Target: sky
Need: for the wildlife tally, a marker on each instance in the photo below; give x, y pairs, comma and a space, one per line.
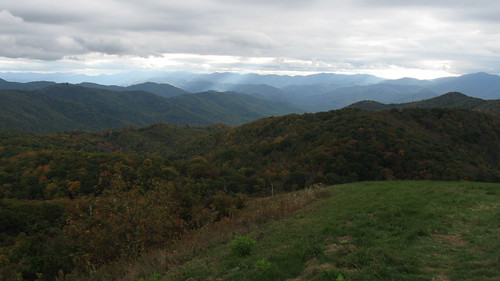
388, 38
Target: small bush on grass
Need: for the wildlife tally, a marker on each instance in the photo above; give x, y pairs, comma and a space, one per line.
262, 265
242, 246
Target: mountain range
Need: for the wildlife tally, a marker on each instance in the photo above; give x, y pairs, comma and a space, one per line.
66, 107
322, 92
233, 99
311, 93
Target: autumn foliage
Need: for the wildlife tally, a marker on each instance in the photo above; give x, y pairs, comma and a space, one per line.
100, 197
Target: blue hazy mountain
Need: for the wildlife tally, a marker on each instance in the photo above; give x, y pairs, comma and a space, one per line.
311, 93
448, 100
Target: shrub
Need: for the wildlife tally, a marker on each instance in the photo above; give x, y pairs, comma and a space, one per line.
242, 245
262, 265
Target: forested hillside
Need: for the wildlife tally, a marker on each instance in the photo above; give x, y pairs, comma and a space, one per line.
65, 107
162, 90
346, 145
100, 196
291, 151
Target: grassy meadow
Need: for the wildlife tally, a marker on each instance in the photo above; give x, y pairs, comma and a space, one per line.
392, 230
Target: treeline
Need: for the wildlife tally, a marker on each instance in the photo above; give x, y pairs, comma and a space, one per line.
103, 196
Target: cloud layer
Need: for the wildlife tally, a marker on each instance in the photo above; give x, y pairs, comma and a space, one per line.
385, 37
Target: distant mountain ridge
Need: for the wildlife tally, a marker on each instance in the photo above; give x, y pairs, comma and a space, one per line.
280, 81
24, 86
478, 85
310, 93
481, 85
65, 107
449, 100
162, 90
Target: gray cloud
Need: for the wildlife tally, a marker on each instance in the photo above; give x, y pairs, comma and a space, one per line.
453, 36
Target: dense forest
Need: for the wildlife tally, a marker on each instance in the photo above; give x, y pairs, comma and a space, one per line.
76, 201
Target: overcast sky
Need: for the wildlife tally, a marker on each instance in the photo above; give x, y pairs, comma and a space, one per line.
387, 38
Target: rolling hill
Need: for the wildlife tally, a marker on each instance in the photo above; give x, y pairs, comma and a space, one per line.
28, 86
65, 107
162, 90
70, 200
338, 146
449, 100
233, 108
398, 230
292, 151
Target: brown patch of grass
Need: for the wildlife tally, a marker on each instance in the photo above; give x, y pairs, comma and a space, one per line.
312, 267
442, 277
345, 239
343, 244
438, 273
454, 240
332, 248
318, 267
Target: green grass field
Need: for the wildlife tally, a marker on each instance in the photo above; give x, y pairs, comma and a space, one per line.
395, 230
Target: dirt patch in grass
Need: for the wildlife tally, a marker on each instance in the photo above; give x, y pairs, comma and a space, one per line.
316, 268
332, 248
438, 274
443, 277
343, 244
454, 240
345, 239
312, 268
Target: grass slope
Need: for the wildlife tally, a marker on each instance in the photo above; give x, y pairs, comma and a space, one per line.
396, 230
